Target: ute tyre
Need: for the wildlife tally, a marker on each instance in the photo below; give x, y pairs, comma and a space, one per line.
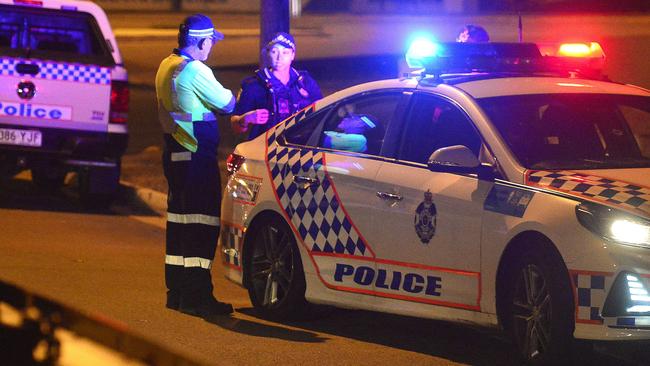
540, 310
277, 280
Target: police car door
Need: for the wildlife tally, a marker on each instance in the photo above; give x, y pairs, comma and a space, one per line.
430, 222
333, 187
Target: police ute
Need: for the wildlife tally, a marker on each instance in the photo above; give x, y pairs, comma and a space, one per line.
63, 95
502, 184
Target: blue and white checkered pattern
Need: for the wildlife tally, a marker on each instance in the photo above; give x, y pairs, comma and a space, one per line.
625, 195
231, 240
52, 70
315, 212
590, 295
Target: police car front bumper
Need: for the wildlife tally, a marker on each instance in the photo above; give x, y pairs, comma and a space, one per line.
614, 305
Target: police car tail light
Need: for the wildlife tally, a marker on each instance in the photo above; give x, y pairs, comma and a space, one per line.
119, 102
614, 225
234, 162
629, 295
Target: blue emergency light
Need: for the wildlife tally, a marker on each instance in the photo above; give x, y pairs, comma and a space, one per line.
442, 58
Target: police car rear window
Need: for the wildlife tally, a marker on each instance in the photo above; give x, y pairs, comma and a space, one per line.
50, 34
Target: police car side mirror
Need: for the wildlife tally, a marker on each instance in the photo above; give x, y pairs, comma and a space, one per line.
454, 159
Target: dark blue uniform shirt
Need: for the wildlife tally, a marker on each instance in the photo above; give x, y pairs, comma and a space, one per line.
281, 102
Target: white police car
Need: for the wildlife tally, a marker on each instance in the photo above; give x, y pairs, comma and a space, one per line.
500, 187
63, 95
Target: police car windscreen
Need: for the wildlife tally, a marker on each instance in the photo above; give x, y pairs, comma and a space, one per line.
58, 35
574, 131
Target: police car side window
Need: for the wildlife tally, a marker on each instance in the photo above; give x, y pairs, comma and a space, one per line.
359, 124
307, 132
433, 123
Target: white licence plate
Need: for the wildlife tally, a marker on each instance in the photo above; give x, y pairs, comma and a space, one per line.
10, 136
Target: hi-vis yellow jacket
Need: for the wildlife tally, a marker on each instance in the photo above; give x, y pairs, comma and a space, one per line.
187, 92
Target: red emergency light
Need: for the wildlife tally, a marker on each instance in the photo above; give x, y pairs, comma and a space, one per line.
587, 59
29, 2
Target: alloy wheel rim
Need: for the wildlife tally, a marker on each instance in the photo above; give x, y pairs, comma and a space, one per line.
272, 266
532, 312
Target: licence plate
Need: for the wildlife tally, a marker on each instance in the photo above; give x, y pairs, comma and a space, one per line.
10, 136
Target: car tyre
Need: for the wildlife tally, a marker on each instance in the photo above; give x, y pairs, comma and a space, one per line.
277, 280
540, 310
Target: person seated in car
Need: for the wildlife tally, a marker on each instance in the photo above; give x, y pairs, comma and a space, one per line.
349, 133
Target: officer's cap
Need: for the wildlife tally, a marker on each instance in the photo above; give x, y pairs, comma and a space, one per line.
284, 39
199, 25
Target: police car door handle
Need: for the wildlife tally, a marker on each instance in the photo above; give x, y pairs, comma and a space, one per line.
389, 196
304, 182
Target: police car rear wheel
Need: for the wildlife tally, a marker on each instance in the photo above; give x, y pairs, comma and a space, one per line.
540, 310
277, 280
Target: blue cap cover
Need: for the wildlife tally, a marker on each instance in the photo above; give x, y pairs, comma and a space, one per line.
284, 39
199, 25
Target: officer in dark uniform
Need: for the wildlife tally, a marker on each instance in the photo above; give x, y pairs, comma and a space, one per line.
188, 94
274, 92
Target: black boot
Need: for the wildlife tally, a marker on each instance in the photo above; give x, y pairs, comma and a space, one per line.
206, 308
173, 300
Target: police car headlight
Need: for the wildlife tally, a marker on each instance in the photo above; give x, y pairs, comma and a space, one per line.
631, 232
614, 225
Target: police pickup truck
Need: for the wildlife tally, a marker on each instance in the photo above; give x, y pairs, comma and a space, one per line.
63, 95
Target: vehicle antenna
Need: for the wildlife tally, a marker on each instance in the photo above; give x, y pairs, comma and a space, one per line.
521, 30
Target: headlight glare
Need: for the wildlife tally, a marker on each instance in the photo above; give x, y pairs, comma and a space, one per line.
614, 225
627, 231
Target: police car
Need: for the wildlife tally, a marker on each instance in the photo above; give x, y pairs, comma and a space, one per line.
506, 185
63, 95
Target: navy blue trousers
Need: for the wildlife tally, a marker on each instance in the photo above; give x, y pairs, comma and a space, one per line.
193, 216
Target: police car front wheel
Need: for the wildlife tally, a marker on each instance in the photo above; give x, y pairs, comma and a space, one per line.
277, 281
540, 310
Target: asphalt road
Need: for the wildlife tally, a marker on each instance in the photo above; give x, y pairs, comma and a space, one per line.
110, 264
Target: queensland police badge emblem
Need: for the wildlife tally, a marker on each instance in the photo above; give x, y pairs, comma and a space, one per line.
425, 218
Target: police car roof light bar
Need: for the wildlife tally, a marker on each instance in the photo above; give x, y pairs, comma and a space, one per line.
446, 58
